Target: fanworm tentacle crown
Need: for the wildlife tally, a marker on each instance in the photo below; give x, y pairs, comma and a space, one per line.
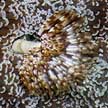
64, 56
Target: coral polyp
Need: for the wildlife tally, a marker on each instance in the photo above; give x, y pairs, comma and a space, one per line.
65, 55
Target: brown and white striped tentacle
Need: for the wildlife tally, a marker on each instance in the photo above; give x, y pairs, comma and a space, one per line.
64, 56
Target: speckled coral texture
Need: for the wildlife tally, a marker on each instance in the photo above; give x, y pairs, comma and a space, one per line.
18, 17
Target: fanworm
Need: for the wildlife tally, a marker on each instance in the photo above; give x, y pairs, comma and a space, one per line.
63, 54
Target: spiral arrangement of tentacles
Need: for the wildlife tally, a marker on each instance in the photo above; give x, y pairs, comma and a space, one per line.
63, 55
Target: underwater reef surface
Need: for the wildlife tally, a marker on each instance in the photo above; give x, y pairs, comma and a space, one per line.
19, 17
